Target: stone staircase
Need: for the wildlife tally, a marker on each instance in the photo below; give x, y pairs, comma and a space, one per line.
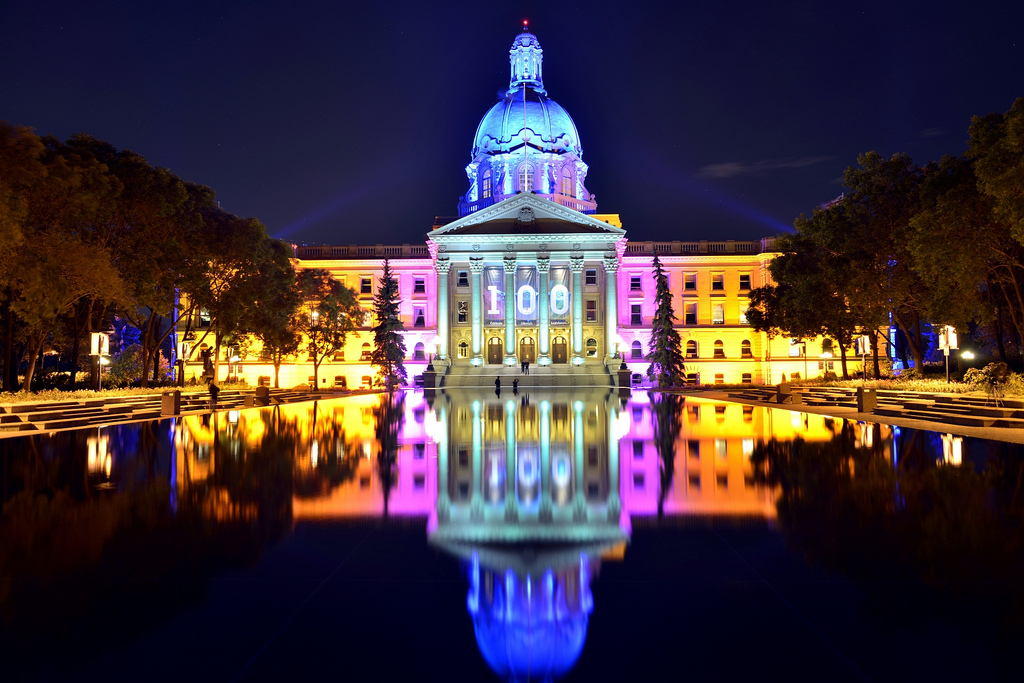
587, 375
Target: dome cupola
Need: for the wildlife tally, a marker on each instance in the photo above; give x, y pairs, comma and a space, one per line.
527, 142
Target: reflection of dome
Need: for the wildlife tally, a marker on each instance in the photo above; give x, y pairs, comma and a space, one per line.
549, 126
527, 627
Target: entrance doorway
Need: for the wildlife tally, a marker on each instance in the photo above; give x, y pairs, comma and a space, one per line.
527, 350
559, 350
494, 352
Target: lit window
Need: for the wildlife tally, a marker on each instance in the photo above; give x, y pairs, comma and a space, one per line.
745, 349
463, 309
526, 178
592, 347
420, 352
419, 286
719, 378
718, 314
365, 285
795, 347
462, 279
365, 355
690, 314
719, 349
746, 378
744, 281
635, 317
690, 282
485, 185
721, 446
591, 311
567, 183
717, 282
463, 350
743, 315
634, 284
591, 277
419, 320
691, 349
636, 351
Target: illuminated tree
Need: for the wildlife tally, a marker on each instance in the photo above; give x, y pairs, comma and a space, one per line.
273, 318
329, 312
666, 356
388, 353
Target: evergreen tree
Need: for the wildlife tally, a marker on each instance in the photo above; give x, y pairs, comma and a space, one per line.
666, 356
388, 341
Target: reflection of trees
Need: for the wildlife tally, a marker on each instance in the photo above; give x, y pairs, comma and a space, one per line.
336, 458
389, 415
914, 532
667, 409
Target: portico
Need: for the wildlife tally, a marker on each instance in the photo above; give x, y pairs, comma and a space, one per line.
527, 280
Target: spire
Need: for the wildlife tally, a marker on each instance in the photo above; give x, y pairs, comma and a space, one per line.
526, 59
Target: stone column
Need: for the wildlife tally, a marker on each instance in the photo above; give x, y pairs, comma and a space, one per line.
545, 461
476, 265
442, 265
614, 500
476, 503
544, 298
611, 305
579, 508
576, 265
511, 504
443, 500
510, 310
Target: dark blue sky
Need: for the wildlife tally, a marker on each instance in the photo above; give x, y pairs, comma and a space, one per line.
348, 122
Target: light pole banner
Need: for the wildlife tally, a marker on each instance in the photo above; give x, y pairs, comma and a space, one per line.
559, 303
494, 295
527, 293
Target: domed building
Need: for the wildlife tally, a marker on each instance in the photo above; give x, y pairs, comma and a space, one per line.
526, 142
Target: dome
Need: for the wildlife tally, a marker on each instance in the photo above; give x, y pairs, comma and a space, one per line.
549, 127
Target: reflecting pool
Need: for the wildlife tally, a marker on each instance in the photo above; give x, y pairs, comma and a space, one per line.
513, 536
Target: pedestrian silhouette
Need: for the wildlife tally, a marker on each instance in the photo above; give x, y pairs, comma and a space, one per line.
515, 387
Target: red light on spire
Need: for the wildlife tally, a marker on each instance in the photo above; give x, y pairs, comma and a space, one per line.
525, 23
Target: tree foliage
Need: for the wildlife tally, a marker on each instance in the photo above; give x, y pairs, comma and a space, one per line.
388, 353
666, 354
329, 312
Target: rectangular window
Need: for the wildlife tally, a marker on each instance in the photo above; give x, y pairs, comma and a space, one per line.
462, 279
463, 308
418, 319
638, 450
591, 311
634, 283
693, 446
795, 348
717, 282
365, 285
743, 314
690, 314
694, 482
744, 282
591, 277
719, 378
638, 481
746, 379
419, 286
635, 318
419, 451
204, 318
718, 314
690, 282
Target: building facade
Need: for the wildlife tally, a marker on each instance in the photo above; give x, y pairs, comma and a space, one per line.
530, 272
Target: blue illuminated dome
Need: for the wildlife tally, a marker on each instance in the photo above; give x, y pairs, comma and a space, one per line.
527, 147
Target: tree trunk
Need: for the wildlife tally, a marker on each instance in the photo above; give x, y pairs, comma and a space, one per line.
6, 381
874, 354
998, 325
30, 370
842, 355
277, 373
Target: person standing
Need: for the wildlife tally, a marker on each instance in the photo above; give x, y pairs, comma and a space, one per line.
497, 386
526, 365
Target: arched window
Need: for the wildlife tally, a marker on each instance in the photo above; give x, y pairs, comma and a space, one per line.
485, 184
745, 349
419, 352
592, 347
719, 349
463, 350
826, 347
637, 351
365, 355
567, 188
691, 348
526, 177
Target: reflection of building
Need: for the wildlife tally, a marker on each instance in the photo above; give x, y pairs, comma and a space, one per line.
528, 271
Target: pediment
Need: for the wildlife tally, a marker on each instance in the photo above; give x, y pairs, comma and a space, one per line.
527, 214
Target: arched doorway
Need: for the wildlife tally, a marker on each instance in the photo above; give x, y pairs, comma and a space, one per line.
494, 351
559, 350
527, 350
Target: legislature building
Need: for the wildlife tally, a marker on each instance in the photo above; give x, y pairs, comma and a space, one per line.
530, 271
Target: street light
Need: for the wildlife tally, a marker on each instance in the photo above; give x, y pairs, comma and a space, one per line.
967, 355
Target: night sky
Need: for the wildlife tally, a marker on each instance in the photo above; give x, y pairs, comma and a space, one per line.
342, 122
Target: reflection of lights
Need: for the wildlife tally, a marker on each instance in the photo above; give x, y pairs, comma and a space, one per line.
952, 449
794, 419
622, 425
99, 459
560, 470
527, 469
867, 436
314, 453
748, 448
367, 448
233, 417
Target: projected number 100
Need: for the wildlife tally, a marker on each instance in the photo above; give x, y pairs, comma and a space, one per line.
526, 300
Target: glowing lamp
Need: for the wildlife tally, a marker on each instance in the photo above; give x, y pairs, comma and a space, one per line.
967, 355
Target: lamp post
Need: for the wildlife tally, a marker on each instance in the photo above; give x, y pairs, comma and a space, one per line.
947, 341
825, 355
